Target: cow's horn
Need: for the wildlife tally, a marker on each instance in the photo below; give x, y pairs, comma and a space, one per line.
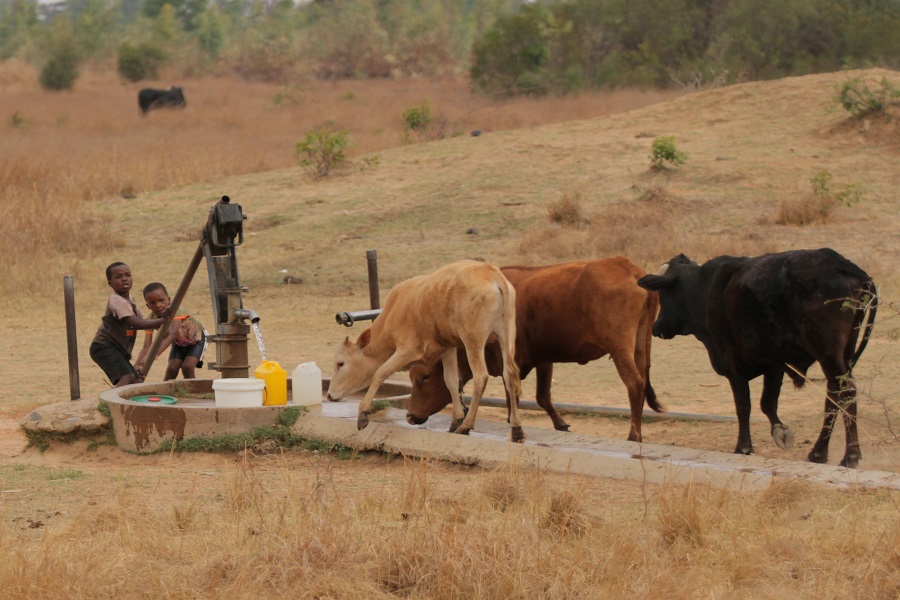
664, 268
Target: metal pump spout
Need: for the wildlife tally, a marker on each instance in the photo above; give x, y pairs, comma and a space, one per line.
243, 313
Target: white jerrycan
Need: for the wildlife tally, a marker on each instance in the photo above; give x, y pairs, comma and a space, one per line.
306, 385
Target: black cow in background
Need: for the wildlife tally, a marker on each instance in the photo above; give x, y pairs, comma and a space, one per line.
771, 315
151, 99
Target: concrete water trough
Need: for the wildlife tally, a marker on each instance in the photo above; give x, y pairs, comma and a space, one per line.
144, 427
140, 427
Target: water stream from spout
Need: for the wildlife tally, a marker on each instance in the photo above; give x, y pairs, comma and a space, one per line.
259, 340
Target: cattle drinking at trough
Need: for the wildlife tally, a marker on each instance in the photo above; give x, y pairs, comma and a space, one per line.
771, 315
151, 99
572, 312
425, 319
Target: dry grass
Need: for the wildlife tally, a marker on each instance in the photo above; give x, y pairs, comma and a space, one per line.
63, 151
291, 536
623, 227
567, 211
805, 210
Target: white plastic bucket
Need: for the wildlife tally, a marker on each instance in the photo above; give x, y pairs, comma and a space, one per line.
306, 385
238, 392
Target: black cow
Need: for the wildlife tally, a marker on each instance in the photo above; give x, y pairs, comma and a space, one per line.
771, 315
151, 99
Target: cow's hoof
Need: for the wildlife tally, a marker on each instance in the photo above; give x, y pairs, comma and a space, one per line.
454, 425
517, 435
362, 421
817, 457
462, 430
563, 427
783, 436
746, 451
851, 461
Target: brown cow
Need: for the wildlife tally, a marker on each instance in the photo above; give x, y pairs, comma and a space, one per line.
427, 318
571, 312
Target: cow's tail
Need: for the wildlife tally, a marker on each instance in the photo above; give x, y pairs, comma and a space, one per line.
651, 307
509, 316
871, 307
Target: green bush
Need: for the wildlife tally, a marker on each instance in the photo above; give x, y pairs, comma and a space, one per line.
511, 57
322, 150
818, 206
848, 195
417, 119
61, 70
664, 151
857, 98
140, 62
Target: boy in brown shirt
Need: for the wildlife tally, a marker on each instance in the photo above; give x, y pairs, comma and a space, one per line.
112, 345
186, 336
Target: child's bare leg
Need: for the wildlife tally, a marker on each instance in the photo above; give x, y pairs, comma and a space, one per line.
172, 369
188, 366
126, 380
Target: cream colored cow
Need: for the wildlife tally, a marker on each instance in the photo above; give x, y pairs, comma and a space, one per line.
461, 305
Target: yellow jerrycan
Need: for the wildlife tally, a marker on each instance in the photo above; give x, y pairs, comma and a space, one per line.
275, 378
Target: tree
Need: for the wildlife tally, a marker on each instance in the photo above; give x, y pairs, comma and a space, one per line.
511, 56
61, 67
18, 23
95, 28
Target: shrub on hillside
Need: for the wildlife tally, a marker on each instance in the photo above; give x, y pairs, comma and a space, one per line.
664, 151
62, 53
322, 150
417, 119
818, 205
857, 98
140, 62
61, 70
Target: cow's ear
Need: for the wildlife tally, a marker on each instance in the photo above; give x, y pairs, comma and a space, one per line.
364, 338
655, 282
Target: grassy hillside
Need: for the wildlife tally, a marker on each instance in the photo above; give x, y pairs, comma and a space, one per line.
751, 147
267, 525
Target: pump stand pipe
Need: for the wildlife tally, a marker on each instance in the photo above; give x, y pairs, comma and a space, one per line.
247, 315
180, 293
349, 318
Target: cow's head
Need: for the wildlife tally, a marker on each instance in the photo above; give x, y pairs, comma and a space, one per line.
429, 393
674, 285
353, 368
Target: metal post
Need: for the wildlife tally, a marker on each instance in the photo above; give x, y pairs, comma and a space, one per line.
71, 338
372, 258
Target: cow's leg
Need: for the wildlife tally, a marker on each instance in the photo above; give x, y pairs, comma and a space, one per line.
852, 452
740, 388
841, 395
544, 380
634, 383
475, 354
768, 403
397, 361
451, 380
513, 391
